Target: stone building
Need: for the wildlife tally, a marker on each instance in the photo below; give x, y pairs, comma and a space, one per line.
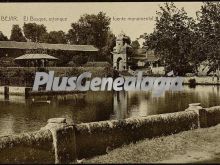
146, 59
120, 53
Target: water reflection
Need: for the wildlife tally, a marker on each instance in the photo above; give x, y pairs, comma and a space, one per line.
20, 115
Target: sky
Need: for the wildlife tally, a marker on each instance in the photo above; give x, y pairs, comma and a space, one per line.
71, 12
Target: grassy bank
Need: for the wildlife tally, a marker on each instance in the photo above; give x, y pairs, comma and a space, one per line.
200, 145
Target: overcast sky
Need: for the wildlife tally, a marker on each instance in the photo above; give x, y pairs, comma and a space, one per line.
72, 11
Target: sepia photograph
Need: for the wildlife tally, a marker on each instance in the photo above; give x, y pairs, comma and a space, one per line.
109, 82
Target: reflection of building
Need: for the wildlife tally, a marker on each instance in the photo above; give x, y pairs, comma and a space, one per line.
120, 53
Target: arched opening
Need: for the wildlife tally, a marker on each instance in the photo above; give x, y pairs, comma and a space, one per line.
119, 64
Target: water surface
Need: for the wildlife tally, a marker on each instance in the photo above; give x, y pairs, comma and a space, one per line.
19, 115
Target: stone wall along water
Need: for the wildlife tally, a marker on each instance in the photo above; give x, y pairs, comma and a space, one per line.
213, 116
94, 138
34, 147
59, 142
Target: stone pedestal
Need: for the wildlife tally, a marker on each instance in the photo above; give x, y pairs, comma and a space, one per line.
200, 111
64, 140
194, 106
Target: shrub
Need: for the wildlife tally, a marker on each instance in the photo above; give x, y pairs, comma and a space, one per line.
192, 82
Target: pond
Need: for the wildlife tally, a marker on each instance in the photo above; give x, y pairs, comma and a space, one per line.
19, 115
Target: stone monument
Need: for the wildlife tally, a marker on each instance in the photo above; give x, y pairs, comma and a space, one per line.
120, 53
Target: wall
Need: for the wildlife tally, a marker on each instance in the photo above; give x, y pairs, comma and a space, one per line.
204, 80
210, 116
35, 147
93, 138
15, 91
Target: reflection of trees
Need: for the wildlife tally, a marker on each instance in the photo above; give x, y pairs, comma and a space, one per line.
120, 105
134, 100
98, 106
172, 101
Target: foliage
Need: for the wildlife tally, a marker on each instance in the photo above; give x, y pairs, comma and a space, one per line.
16, 34
54, 37
192, 82
135, 44
90, 29
182, 42
3, 37
93, 29
105, 52
134, 50
127, 39
209, 28
173, 39
34, 32
80, 59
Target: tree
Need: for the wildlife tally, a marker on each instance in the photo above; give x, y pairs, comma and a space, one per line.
93, 29
209, 28
135, 45
105, 53
90, 29
16, 34
34, 32
3, 37
54, 37
174, 39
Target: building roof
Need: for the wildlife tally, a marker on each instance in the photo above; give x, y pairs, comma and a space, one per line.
145, 55
34, 45
140, 58
35, 57
151, 56
141, 51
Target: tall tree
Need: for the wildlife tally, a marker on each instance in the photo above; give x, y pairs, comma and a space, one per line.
209, 28
90, 29
34, 32
16, 34
105, 53
93, 29
54, 37
3, 37
173, 39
